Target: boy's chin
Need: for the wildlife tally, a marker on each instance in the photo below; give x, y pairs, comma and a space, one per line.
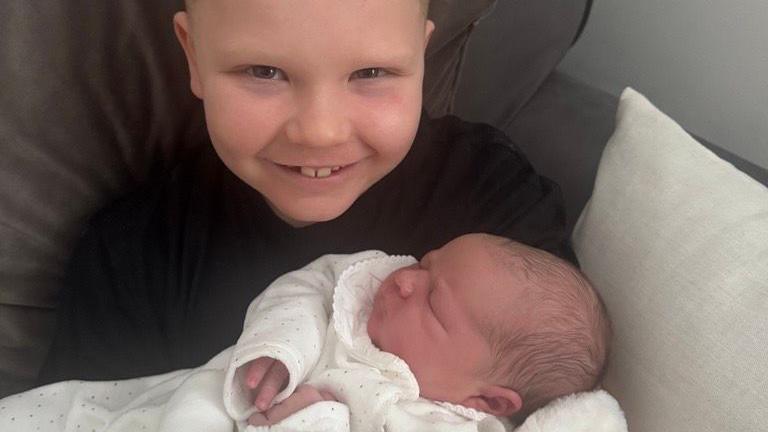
308, 215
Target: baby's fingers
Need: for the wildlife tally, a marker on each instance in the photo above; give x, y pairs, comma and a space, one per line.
275, 379
258, 419
328, 396
303, 397
255, 371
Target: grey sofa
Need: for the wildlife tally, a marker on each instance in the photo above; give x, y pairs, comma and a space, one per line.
561, 123
96, 101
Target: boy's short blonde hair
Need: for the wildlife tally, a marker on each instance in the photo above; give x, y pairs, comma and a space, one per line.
424, 5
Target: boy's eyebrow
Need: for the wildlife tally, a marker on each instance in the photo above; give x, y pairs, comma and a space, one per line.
240, 50
381, 58
371, 58
388, 54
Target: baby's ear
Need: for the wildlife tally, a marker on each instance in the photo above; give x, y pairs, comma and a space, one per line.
496, 400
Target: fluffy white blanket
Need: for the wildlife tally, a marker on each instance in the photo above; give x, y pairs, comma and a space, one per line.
594, 411
191, 401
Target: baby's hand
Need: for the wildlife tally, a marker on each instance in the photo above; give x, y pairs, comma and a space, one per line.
304, 396
265, 377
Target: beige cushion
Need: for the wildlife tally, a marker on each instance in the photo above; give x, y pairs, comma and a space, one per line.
676, 241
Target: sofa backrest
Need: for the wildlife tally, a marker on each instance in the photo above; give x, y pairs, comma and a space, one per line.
512, 52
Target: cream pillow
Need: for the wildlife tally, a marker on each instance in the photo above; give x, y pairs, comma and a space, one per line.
676, 241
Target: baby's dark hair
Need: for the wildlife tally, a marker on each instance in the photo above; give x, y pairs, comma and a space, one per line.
559, 342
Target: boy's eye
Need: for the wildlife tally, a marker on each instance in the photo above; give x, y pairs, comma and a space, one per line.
369, 73
265, 72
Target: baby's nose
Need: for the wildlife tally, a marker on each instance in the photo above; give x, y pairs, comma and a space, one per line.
407, 281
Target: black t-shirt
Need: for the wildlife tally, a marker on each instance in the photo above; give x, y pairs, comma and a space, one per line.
161, 279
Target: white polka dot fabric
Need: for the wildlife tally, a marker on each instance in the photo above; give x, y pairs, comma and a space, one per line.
183, 400
313, 320
337, 353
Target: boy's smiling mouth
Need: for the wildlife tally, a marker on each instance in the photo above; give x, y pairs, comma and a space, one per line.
318, 172
314, 172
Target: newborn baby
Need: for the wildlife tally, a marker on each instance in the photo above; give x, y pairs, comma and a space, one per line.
484, 324
365, 342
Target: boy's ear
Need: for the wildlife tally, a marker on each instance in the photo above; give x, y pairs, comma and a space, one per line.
495, 400
181, 26
429, 28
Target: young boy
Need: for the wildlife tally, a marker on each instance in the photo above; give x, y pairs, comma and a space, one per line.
480, 326
319, 145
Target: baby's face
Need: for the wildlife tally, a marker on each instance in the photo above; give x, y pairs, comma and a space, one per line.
430, 314
308, 102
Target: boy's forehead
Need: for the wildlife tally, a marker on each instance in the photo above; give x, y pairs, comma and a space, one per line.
299, 32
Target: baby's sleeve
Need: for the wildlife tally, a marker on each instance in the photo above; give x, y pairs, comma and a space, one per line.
326, 416
287, 322
423, 415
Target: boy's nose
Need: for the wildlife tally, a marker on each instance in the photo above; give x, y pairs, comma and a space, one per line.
321, 121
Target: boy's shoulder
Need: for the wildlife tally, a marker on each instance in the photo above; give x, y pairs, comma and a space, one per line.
453, 143
451, 134
169, 197
450, 127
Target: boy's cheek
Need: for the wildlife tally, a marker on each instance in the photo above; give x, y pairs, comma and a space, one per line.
392, 114
384, 94
397, 93
240, 123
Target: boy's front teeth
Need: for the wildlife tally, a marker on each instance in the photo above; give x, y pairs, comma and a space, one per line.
318, 172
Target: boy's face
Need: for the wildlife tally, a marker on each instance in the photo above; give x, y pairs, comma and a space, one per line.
430, 314
308, 102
